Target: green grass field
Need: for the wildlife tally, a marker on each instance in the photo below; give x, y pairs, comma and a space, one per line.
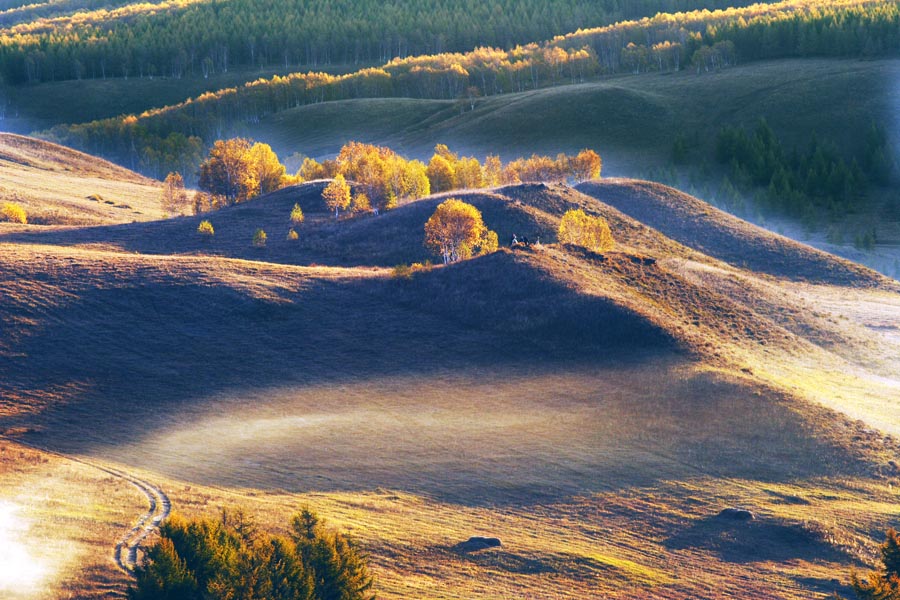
632, 121
35, 107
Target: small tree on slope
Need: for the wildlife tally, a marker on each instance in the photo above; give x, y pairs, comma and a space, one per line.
456, 230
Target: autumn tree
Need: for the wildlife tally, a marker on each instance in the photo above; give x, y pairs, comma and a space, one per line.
269, 172
441, 174
205, 229
883, 584
456, 231
173, 197
297, 216
469, 174
493, 171
360, 203
310, 170
259, 238
337, 195
581, 229
229, 171
585, 165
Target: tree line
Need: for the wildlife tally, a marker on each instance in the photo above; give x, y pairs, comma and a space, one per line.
173, 137
238, 170
189, 38
803, 183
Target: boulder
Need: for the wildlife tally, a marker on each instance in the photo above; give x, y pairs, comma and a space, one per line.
477, 542
736, 514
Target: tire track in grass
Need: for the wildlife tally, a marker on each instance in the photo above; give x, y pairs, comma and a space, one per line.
125, 553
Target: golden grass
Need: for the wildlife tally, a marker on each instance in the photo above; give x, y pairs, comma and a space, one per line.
59, 186
595, 412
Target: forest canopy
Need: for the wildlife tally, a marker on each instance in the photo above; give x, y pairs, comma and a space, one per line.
172, 138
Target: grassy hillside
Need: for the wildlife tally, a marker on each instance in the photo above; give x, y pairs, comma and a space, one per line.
595, 412
28, 108
57, 185
631, 120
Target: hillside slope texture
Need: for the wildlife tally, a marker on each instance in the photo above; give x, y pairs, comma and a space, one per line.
595, 412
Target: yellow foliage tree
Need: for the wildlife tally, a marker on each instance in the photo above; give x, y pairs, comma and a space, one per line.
270, 173
585, 165
337, 195
360, 203
205, 229
469, 174
297, 215
173, 198
310, 170
456, 231
581, 229
440, 174
14, 213
229, 171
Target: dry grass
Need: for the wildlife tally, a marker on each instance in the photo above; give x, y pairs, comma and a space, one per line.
59, 186
593, 411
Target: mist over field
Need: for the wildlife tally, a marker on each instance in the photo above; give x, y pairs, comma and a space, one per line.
446, 300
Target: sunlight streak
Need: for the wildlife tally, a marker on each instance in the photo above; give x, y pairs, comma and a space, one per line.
19, 572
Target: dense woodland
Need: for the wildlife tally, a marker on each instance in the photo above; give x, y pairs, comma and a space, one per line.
174, 138
176, 38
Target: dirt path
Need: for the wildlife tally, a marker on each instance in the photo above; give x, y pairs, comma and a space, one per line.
127, 548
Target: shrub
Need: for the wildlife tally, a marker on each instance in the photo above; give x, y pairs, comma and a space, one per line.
259, 239
292, 236
297, 215
206, 229
581, 229
14, 213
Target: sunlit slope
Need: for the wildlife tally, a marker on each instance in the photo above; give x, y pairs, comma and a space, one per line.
716, 233
632, 121
57, 185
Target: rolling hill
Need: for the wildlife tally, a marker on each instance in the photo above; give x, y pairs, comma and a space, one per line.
632, 120
57, 185
595, 412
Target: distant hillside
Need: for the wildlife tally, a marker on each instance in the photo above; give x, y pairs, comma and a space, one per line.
633, 121
701, 40
58, 185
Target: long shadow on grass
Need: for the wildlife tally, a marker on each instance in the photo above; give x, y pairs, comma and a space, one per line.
485, 383
757, 540
392, 238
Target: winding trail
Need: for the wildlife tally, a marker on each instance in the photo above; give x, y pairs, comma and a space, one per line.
127, 548
126, 551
